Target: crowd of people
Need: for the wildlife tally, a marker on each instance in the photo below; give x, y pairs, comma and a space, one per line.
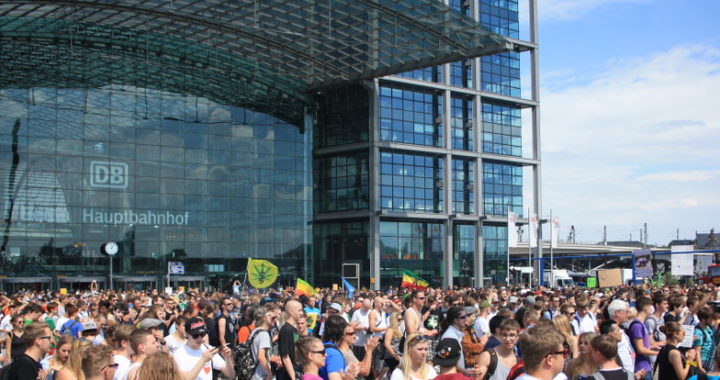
497, 333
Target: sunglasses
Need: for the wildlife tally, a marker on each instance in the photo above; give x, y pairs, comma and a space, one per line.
350, 333
45, 337
419, 338
321, 352
201, 335
114, 365
565, 353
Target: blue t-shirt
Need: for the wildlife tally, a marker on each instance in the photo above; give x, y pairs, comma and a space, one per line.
334, 361
74, 326
704, 339
695, 377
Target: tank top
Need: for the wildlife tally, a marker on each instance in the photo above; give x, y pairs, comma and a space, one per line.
666, 371
501, 371
17, 346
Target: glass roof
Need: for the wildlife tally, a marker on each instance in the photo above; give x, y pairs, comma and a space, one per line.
267, 55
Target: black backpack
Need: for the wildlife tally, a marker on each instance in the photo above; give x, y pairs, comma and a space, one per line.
245, 361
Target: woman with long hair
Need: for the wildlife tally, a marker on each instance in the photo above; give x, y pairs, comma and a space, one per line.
393, 335
310, 355
55, 363
17, 343
345, 346
414, 360
247, 322
671, 363
73, 367
159, 366
562, 324
583, 366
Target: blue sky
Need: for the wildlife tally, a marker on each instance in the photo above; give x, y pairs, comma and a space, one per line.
630, 116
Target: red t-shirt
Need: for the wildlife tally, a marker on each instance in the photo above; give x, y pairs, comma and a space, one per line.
452, 376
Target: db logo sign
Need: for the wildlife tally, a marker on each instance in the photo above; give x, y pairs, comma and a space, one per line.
105, 174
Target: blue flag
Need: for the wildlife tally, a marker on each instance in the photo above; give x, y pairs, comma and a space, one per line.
348, 287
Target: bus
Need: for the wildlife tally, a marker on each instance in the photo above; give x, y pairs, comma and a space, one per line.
714, 273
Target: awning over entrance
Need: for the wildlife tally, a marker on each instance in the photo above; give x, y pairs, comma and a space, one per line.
267, 55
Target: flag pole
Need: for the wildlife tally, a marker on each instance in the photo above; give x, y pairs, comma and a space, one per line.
530, 236
552, 242
507, 271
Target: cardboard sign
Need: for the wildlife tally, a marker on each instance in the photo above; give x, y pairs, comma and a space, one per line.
63, 290
335, 287
609, 278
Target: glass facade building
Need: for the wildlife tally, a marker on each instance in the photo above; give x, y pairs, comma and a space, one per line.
360, 176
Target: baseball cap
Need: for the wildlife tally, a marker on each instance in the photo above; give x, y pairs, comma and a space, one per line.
149, 323
336, 306
447, 352
89, 325
195, 326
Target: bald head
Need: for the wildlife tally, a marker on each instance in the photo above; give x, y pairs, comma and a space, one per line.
294, 310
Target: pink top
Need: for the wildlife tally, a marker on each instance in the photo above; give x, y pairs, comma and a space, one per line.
310, 376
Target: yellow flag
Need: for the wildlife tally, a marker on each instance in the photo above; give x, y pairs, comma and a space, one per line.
261, 273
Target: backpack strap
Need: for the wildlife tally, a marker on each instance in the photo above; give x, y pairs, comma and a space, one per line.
493, 363
335, 347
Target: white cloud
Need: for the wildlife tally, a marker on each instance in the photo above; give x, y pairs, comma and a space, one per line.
638, 143
685, 176
573, 9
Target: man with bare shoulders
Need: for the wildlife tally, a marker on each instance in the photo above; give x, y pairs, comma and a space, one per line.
413, 315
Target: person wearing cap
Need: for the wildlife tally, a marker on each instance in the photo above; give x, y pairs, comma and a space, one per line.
155, 326
196, 359
472, 346
447, 355
89, 331
452, 328
332, 309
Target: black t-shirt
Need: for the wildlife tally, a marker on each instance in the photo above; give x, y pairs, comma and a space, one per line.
24, 368
286, 346
434, 319
671, 318
614, 374
229, 329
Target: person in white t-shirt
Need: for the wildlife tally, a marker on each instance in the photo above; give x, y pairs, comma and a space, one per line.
177, 339
361, 321
196, 360
122, 352
543, 353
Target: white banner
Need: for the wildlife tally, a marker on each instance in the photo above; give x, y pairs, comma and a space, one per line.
554, 232
512, 229
533, 234
702, 261
176, 267
681, 264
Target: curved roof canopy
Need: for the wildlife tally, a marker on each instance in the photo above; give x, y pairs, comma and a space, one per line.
267, 55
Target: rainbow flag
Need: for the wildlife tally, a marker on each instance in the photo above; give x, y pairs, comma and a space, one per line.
303, 288
412, 281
